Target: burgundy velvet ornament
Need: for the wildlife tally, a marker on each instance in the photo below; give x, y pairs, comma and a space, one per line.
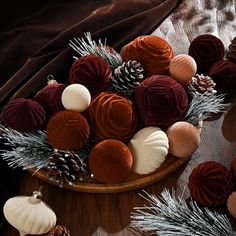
68, 130
112, 117
206, 49
223, 74
210, 183
24, 115
161, 101
110, 161
50, 98
91, 71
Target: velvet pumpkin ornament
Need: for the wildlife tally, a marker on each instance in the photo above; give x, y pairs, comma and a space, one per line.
24, 115
110, 161
112, 117
206, 50
161, 101
68, 130
154, 54
91, 71
210, 184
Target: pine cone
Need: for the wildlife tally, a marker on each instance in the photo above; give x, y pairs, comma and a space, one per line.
231, 53
202, 85
127, 77
66, 167
59, 230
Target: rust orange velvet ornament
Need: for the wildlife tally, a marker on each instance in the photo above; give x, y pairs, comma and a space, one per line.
210, 183
110, 161
68, 130
153, 52
112, 117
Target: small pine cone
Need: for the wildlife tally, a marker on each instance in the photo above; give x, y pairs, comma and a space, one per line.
127, 77
231, 53
59, 230
202, 85
65, 167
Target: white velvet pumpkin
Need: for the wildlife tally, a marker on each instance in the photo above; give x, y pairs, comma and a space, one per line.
29, 215
149, 147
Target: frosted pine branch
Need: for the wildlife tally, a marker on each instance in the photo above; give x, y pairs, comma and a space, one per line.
170, 215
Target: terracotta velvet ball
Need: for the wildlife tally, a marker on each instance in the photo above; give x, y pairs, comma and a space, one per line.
24, 115
161, 101
112, 117
206, 49
110, 161
210, 183
91, 71
50, 98
223, 74
68, 130
153, 52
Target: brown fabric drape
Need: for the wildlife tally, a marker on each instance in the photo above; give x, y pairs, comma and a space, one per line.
35, 44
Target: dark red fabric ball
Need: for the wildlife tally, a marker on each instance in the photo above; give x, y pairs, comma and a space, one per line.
224, 75
50, 98
68, 130
24, 115
210, 183
112, 117
91, 71
161, 101
206, 49
110, 161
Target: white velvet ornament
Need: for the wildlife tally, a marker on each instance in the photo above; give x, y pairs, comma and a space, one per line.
29, 215
149, 147
231, 204
76, 97
182, 68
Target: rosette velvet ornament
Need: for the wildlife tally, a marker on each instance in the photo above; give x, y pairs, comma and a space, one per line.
91, 71
206, 50
154, 54
210, 184
112, 117
161, 101
68, 130
24, 115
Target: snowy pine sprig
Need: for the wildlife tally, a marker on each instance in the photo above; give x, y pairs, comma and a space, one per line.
25, 150
171, 215
87, 46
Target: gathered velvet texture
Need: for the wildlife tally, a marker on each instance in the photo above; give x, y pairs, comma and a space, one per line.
93, 72
210, 183
153, 52
68, 130
110, 161
24, 115
223, 74
161, 101
112, 117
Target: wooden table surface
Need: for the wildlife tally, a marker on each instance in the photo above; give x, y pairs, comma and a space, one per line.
87, 214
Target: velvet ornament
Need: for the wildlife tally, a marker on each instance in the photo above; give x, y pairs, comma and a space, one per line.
112, 117
223, 74
206, 49
110, 161
161, 101
24, 115
50, 98
231, 204
91, 71
68, 130
153, 52
233, 169
210, 183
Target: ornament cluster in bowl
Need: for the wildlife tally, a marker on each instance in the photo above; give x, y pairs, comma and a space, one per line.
120, 117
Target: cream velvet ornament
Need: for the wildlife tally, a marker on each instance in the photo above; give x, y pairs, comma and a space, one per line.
231, 204
29, 214
76, 97
149, 147
182, 68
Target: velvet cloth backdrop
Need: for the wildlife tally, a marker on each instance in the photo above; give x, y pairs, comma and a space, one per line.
34, 37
